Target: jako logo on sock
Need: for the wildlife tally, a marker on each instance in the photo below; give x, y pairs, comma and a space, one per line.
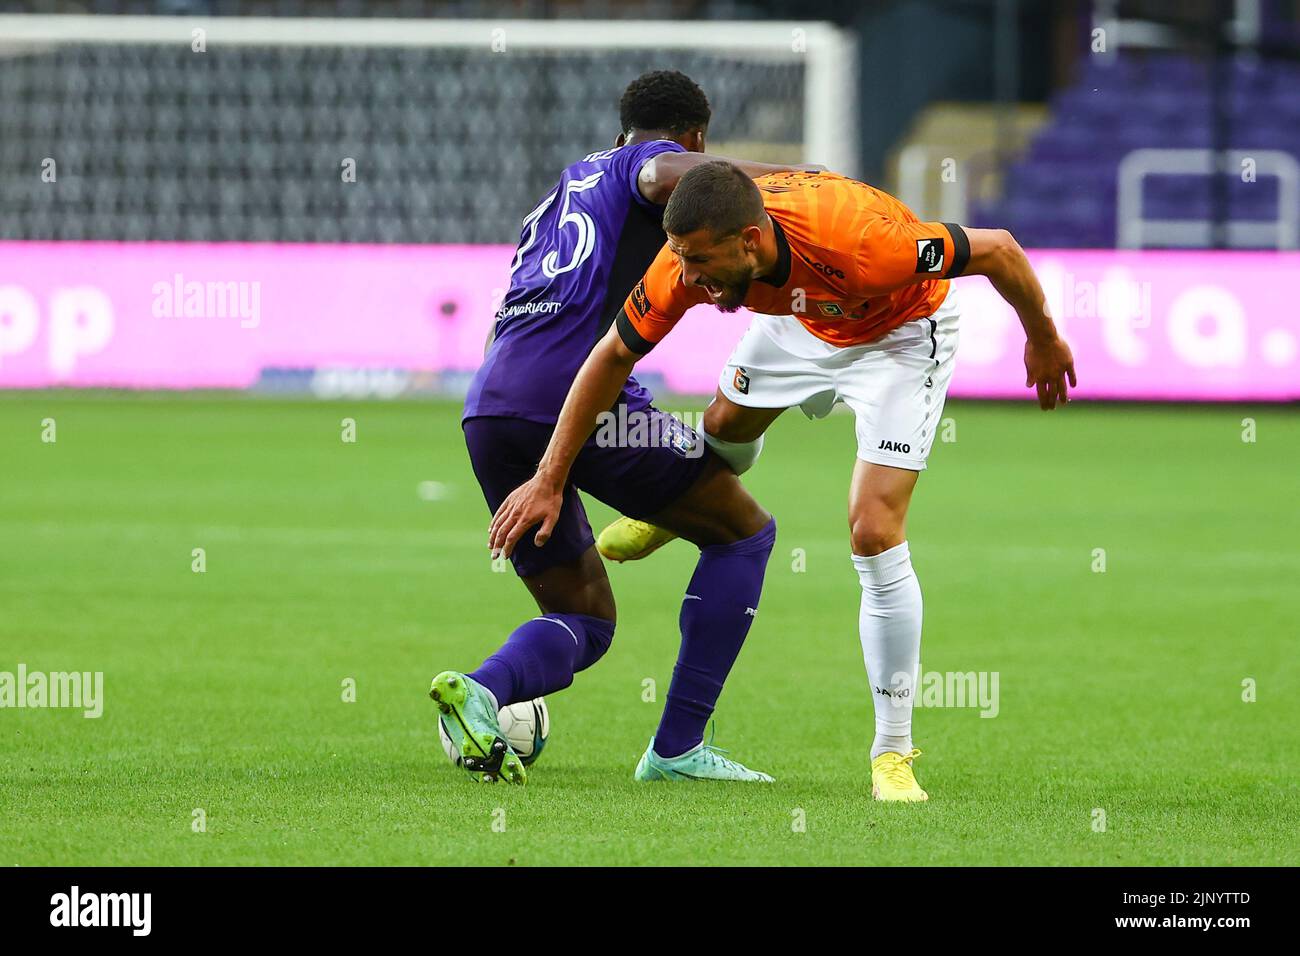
947, 689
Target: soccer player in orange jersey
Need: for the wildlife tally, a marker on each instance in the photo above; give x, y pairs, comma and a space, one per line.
854, 305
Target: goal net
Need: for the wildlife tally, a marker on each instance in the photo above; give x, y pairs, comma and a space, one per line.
239, 128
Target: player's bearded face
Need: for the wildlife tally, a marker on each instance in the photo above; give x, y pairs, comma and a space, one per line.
723, 268
728, 289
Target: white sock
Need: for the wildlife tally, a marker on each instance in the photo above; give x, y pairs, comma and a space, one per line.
890, 627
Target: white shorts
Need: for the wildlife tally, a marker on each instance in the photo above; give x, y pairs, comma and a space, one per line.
895, 385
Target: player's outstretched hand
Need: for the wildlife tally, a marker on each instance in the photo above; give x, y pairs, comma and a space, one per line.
533, 503
1048, 365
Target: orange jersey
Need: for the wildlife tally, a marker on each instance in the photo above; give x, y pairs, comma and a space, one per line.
853, 264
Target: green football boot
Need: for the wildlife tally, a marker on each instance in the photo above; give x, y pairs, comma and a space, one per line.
703, 762
470, 718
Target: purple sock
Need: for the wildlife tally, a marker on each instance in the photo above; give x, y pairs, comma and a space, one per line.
542, 655
719, 608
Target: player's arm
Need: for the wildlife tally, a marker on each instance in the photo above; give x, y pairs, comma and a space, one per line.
1049, 364
597, 387
660, 173
650, 312
894, 254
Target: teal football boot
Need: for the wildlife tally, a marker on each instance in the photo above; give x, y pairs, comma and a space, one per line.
703, 762
470, 719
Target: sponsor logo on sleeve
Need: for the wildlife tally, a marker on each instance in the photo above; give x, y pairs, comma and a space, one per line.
640, 301
929, 255
830, 308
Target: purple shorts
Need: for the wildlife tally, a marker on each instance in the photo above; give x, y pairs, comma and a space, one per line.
636, 474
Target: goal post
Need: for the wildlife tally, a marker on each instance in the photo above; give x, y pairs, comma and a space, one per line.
826, 53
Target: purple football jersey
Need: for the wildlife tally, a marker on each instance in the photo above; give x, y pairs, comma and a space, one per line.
580, 253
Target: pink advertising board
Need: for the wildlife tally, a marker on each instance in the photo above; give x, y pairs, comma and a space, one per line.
1143, 325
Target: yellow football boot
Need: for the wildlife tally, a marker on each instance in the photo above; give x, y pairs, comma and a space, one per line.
892, 778
630, 540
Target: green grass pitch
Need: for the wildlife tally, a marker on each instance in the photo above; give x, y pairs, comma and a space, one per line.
1120, 692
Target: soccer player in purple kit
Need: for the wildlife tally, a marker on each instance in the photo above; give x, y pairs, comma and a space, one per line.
581, 250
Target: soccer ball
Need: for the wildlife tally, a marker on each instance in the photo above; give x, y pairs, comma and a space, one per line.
525, 725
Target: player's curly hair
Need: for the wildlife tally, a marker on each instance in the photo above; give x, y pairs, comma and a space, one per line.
664, 100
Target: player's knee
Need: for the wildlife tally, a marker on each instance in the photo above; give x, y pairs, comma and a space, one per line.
598, 634
875, 529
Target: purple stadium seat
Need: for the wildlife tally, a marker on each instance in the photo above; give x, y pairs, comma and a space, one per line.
1062, 191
